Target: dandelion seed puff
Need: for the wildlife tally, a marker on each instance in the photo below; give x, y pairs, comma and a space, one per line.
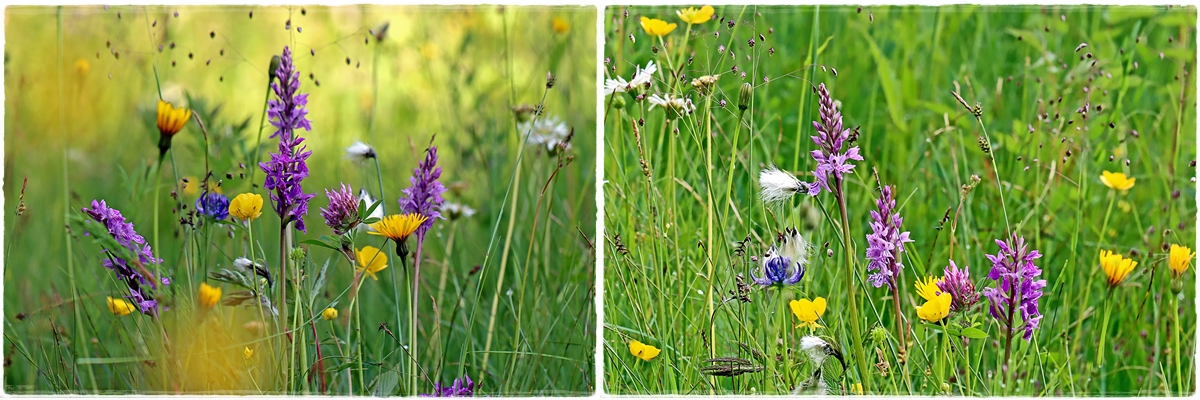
360, 152
815, 348
778, 186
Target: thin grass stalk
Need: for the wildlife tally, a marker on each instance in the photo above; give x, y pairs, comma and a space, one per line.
258, 143
414, 321
709, 243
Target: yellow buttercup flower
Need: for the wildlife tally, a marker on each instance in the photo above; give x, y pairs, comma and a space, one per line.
929, 289
370, 261
856, 389
935, 309
657, 27
82, 66
1116, 180
120, 307
643, 351
171, 119
329, 314
693, 16
560, 25
248, 353
398, 226
1181, 258
1116, 267
191, 186
246, 206
808, 312
209, 295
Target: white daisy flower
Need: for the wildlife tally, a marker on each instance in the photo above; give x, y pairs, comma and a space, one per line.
640, 77
615, 85
778, 186
677, 106
360, 152
548, 132
456, 210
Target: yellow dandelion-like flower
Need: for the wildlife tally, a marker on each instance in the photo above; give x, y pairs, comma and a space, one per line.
560, 25
191, 186
1116, 180
856, 389
246, 206
248, 353
1116, 267
808, 311
171, 119
643, 351
398, 226
935, 309
693, 16
209, 295
370, 261
329, 314
120, 307
1181, 257
657, 27
928, 289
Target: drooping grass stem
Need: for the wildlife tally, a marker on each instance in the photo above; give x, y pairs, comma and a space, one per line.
855, 329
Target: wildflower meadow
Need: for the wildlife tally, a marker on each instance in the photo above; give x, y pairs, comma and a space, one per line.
957, 200
356, 200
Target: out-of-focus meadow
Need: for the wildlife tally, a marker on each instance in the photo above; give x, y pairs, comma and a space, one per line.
1052, 98
506, 293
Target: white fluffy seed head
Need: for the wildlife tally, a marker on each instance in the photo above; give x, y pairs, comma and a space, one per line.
359, 152
244, 264
778, 186
794, 246
815, 347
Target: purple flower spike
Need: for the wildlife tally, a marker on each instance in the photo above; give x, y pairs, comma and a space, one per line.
425, 195
829, 139
958, 283
128, 271
342, 214
288, 167
886, 241
1018, 288
778, 270
464, 387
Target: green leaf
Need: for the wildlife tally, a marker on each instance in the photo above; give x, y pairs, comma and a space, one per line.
315, 242
369, 221
372, 208
385, 384
973, 333
319, 284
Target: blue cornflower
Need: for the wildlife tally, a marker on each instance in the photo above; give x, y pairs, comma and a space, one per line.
214, 205
778, 270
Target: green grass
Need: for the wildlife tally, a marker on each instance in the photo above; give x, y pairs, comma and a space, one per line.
683, 219
516, 313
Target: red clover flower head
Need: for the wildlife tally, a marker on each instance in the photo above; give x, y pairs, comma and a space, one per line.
958, 283
342, 213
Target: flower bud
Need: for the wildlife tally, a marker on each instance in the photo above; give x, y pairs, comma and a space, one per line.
618, 102
275, 61
744, 96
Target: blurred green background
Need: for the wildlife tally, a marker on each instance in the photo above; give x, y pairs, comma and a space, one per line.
451, 71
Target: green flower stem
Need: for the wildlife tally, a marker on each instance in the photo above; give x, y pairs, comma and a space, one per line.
855, 329
1104, 336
